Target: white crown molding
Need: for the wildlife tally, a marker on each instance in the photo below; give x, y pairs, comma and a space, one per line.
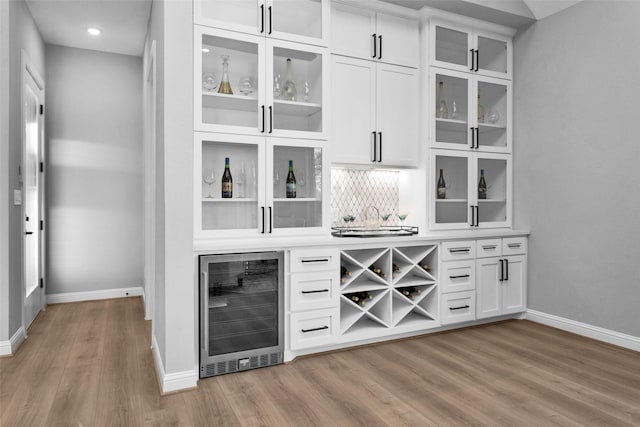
173, 382
134, 291
8, 348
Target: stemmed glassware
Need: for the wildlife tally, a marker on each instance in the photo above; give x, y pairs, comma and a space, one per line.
402, 216
347, 218
385, 218
209, 177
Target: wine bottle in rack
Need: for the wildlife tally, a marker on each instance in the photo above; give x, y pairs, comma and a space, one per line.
291, 182
378, 271
442, 193
425, 267
227, 181
344, 273
482, 186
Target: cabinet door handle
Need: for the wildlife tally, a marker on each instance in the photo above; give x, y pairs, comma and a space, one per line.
380, 48
477, 60
375, 50
380, 152
506, 269
263, 119
315, 260
477, 137
457, 250
501, 278
477, 215
262, 207
513, 245
270, 119
316, 291
462, 276
304, 331
28, 233
473, 220
270, 220
487, 247
262, 19
473, 138
375, 147
473, 65
270, 23
459, 308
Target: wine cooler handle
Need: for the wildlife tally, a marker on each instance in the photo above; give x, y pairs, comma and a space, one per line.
262, 207
380, 48
270, 23
462, 276
304, 331
316, 291
270, 117
501, 278
375, 50
472, 60
263, 118
204, 287
459, 308
262, 19
473, 138
477, 60
380, 151
506, 269
375, 147
270, 220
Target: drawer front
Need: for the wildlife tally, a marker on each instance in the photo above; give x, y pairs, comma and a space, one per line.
458, 250
314, 328
314, 260
486, 248
458, 276
514, 246
458, 307
311, 291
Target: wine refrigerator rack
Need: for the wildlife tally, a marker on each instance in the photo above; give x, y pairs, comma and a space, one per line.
388, 288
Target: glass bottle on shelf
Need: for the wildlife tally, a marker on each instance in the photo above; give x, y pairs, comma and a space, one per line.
307, 91
277, 90
225, 85
291, 182
480, 110
289, 91
442, 112
227, 181
482, 186
441, 187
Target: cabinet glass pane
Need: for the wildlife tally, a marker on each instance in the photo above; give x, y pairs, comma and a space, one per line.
300, 17
492, 54
492, 127
239, 12
494, 207
239, 108
302, 111
240, 211
452, 46
454, 207
452, 125
305, 210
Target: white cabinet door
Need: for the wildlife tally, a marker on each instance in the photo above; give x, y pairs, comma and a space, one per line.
398, 40
514, 296
397, 115
451, 46
495, 210
488, 288
353, 110
352, 31
247, 16
302, 21
493, 54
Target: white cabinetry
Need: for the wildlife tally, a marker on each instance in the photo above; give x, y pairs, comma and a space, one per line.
458, 278
367, 34
501, 281
305, 21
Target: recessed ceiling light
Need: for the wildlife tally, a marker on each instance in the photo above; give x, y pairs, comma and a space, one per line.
94, 31
206, 50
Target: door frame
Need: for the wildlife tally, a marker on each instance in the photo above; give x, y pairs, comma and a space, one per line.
28, 70
150, 93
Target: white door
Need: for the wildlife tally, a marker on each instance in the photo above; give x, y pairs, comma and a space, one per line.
451, 46
353, 31
302, 21
353, 110
32, 144
398, 40
247, 16
514, 298
488, 288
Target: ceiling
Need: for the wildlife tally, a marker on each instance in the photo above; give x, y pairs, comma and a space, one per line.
65, 22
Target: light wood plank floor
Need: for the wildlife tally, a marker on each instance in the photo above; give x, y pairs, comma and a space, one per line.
89, 364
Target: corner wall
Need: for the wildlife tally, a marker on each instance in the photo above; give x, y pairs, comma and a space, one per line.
576, 159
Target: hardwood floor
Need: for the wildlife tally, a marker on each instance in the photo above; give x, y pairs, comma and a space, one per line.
89, 364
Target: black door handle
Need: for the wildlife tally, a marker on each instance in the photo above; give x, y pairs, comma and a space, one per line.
262, 106
375, 50
270, 119
477, 215
458, 308
270, 220
28, 233
270, 23
472, 60
477, 60
459, 277
304, 331
380, 152
473, 138
315, 292
375, 147
500, 278
380, 48
506, 269
262, 207
477, 137
473, 221
262, 20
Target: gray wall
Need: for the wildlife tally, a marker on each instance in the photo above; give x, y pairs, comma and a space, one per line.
94, 187
576, 162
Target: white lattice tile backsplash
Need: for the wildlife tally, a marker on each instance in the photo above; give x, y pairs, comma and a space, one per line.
354, 191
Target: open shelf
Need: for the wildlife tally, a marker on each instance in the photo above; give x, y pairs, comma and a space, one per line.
230, 200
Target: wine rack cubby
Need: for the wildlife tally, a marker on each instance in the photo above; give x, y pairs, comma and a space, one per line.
388, 289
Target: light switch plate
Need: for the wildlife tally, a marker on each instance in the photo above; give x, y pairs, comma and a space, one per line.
17, 197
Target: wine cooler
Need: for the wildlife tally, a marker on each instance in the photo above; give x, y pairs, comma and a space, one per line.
241, 312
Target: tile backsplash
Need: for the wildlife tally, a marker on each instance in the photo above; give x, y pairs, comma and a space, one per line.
354, 191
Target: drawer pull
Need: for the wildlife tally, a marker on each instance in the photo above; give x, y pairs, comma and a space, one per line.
456, 250
316, 291
513, 245
305, 261
487, 247
458, 308
459, 277
304, 331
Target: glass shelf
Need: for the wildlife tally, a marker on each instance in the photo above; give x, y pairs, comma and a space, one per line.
231, 200
229, 102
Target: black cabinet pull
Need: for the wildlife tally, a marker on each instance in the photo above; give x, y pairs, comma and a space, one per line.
380, 142
506, 269
270, 220
462, 276
477, 60
375, 147
477, 137
262, 106
304, 331
380, 48
513, 245
487, 247
28, 233
473, 138
315, 260
472, 61
501, 278
456, 250
375, 50
315, 292
477, 215
458, 308
270, 119
262, 207
270, 23
262, 19
473, 220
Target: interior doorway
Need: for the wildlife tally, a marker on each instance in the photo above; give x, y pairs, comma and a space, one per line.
32, 177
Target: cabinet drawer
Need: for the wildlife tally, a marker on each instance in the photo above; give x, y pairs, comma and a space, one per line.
458, 276
458, 250
458, 307
514, 246
310, 291
486, 248
314, 260
314, 328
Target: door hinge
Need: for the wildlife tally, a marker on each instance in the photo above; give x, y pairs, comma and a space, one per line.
41, 225
41, 109
41, 167
41, 283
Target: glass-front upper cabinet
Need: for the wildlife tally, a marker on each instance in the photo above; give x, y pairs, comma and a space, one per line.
470, 50
470, 112
263, 198
303, 21
246, 84
470, 190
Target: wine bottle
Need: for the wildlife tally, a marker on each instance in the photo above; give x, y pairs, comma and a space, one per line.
289, 91
344, 271
442, 112
425, 267
441, 187
227, 181
291, 182
480, 110
396, 267
482, 186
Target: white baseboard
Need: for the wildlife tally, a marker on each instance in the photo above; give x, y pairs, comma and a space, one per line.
595, 332
8, 348
135, 291
173, 382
